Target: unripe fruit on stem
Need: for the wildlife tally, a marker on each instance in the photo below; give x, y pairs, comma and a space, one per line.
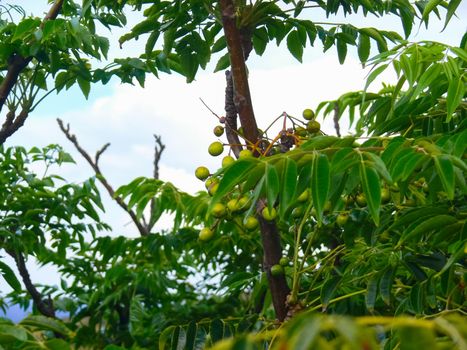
227, 160
342, 219
243, 202
277, 270
269, 215
233, 205
246, 153
308, 114
313, 127
218, 130
327, 207
218, 210
213, 188
385, 195
297, 212
215, 148
361, 200
251, 223
304, 196
202, 173
284, 261
205, 234
300, 131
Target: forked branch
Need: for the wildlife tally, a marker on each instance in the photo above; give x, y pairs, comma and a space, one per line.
94, 163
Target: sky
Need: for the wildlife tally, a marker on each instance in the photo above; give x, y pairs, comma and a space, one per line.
127, 116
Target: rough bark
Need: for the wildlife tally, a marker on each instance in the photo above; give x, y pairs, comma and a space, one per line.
44, 306
242, 97
239, 46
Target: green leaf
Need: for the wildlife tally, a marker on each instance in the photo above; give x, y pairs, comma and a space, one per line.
372, 190
9, 276
85, 86
385, 284
46, 323
223, 63
272, 185
57, 344
294, 45
456, 92
452, 7
190, 336
430, 224
416, 338
10, 334
320, 183
371, 293
376, 35
341, 50
428, 77
288, 185
374, 74
363, 47
430, 6
260, 40
24, 27
233, 176
328, 290
445, 170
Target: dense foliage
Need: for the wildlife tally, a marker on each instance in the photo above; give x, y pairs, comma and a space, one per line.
306, 241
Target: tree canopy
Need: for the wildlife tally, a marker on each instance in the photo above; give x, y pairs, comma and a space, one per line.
301, 239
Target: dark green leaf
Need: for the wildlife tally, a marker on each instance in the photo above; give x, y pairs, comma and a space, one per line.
288, 185
372, 190
294, 45
320, 183
10, 277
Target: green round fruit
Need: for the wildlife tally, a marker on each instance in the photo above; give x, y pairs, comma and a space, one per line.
361, 200
269, 215
205, 234
251, 223
300, 131
212, 189
342, 219
277, 270
313, 126
308, 114
218, 130
218, 210
233, 205
385, 195
327, 207
202, 173
297, 212
243, 202
215, 148
284, 261
227, 160
304, 196
246, 153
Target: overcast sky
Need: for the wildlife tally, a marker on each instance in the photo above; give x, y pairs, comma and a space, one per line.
128, 116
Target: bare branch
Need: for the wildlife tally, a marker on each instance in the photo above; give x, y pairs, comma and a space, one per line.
158, 149
95, 166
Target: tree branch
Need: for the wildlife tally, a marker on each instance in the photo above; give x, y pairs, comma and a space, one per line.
16, 64
231, 116
158, 149
45, 306
143, 230
242, 97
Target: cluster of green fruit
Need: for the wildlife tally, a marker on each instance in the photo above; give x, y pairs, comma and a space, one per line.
236, 206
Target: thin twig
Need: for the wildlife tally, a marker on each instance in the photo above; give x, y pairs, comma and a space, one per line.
95, 166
